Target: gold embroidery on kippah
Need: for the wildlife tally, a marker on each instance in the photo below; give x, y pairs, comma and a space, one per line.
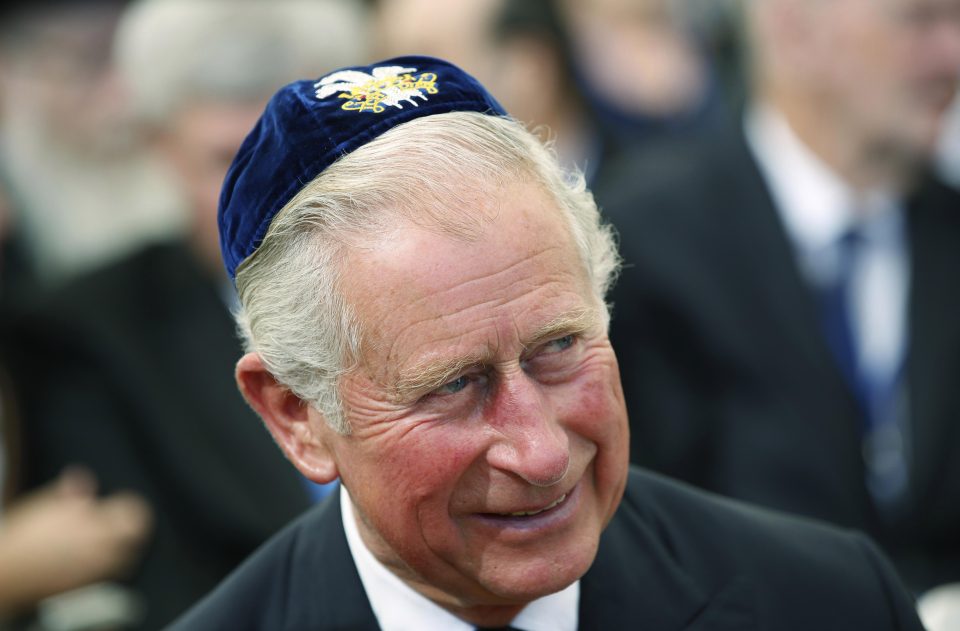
387, 85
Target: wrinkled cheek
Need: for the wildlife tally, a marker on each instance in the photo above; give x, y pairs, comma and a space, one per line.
420, 481
596, 409
597, 413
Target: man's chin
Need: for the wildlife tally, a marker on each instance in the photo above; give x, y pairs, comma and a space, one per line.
541, 577
527, 591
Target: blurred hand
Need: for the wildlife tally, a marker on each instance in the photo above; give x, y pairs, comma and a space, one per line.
63, 536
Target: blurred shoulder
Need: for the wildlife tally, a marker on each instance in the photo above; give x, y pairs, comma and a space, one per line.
680, 169
132, 296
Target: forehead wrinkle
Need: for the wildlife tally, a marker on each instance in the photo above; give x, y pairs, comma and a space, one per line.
392, 353
526, 260
548, 281
496, 301
468, 283
434, 320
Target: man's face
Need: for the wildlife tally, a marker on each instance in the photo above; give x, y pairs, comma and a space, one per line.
891, 68
489, 435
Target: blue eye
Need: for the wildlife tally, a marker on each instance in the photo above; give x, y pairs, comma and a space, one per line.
454, 386
560, 344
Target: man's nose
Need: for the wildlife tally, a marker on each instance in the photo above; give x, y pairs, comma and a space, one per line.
533, 444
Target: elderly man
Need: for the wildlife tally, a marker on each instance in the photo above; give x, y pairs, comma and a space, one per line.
786, 324
422, 297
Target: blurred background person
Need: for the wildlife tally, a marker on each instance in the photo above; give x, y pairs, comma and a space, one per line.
61, 537
131, 366
519, 49
457, 30
596, 76
82, 186
650, 68
786, 323
534, 77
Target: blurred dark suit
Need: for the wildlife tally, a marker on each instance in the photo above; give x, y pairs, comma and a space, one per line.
132, 375
729, 381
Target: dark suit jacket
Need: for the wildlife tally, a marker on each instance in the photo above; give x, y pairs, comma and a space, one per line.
729, 381
132, 376
672, 558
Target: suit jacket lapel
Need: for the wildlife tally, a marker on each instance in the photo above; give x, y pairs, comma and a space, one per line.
786, 297
618, 592
325, 585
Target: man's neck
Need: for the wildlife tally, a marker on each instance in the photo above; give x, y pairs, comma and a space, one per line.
863, 163
391, 588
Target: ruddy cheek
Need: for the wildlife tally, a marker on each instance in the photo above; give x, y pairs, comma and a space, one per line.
593, 404
425, 483
430, 462
595, 412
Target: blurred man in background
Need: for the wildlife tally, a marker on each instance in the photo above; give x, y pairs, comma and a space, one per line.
82, 185
787, 319
596, 77
132, 364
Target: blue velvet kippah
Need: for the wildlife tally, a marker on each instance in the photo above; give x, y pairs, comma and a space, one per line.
307, 125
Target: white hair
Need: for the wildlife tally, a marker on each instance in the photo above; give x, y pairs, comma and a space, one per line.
293, 312
172, 52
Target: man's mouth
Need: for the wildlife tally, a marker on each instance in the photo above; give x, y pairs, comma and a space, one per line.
553, 504
522, 523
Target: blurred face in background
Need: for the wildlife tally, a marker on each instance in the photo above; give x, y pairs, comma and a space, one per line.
452, 30
638, 54
887, 69
199, 142
59, 81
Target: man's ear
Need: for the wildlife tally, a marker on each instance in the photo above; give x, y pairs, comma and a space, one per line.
299, 429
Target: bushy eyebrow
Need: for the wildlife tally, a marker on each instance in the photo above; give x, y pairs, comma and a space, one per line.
431, 374
570, 323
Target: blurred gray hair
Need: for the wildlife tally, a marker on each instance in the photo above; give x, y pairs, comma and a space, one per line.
172, 52
425, 171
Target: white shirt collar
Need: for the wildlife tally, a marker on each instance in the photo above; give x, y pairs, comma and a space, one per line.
815, 205
398, 607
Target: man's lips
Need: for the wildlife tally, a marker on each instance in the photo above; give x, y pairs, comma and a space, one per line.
534, 511
519, 512
516, 523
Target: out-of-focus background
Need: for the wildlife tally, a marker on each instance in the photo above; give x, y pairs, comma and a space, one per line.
81, 188
123, 435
